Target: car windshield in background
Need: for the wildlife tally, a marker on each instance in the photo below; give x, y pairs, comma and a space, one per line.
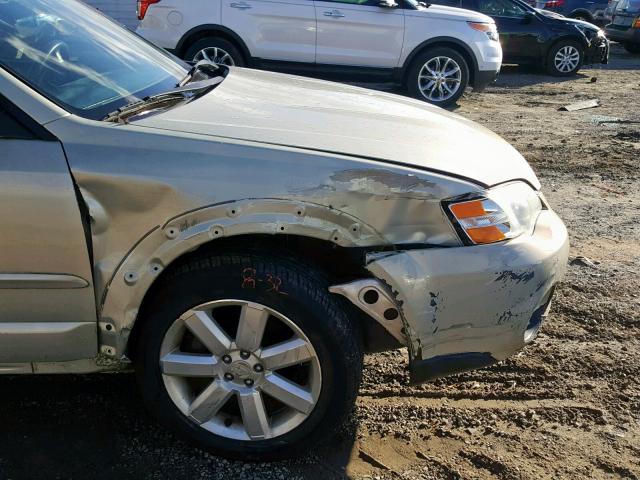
78, 58
628, 6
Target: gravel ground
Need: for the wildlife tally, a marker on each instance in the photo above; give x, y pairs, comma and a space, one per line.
566, 407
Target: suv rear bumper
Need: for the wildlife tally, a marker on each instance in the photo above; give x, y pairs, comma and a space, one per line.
468, 307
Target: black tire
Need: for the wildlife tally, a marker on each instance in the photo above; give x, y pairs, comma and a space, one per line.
585, 17
550, 62
215, 42
633, 48
422, 59
306, 301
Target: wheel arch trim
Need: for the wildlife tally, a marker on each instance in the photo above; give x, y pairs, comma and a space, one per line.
167, 243
442, 41
188, 38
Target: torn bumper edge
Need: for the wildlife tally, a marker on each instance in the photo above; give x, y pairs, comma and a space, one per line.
468, 307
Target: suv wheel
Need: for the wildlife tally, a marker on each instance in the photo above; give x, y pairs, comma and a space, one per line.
565, 58
248, 356
439, 76
216, 50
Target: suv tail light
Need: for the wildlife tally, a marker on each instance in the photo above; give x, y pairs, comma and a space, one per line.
554, 3
143, 6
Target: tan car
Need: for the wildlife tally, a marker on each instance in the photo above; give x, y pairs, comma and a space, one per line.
242, 237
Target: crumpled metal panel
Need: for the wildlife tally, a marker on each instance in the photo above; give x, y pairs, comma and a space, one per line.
192, 183
475, 298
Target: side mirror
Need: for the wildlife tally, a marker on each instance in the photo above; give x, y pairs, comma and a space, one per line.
528, 17
387, 4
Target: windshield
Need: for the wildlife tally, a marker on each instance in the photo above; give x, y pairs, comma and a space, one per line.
628, 6
79, 58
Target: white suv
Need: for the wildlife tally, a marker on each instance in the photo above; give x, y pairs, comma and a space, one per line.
435, 51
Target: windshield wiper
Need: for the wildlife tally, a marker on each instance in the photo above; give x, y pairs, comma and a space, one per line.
204, 66
181, 93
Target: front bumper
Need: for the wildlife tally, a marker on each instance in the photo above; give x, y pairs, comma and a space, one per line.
483, 78
468, 307
597, 51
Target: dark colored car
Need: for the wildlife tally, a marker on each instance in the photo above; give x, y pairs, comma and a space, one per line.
625, 25
591, 11
538, 37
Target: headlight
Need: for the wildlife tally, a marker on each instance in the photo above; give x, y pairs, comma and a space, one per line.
503, 212
590, 33
488, 28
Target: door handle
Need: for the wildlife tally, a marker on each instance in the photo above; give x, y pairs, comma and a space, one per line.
333, 13
240, 5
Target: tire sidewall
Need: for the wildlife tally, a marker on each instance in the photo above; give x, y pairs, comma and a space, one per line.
551, 67
218, 42
224, 282
424, 57
583, 16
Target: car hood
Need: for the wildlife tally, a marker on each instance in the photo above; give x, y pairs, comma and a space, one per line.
298, 112
566, 20
450, 13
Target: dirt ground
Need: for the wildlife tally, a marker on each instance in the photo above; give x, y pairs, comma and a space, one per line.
566, 407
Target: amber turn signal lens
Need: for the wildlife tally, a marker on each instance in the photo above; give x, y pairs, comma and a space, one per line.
485, 234
468, 209
480, 223
481, 27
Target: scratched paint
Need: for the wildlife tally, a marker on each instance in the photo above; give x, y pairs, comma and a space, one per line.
509, 276
455, 302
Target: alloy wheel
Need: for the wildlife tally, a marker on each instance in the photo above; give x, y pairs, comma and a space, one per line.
259, 382
567, 59
439, 79
215, 55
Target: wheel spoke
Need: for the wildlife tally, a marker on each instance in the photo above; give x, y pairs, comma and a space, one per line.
204, 327
433, 72
253, 319
446, 64
285, 354
429, 86
205, 55
254, 415
188, 364
288, 393
452, 71
209, 402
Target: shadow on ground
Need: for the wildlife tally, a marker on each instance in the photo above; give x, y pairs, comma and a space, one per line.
95, 426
